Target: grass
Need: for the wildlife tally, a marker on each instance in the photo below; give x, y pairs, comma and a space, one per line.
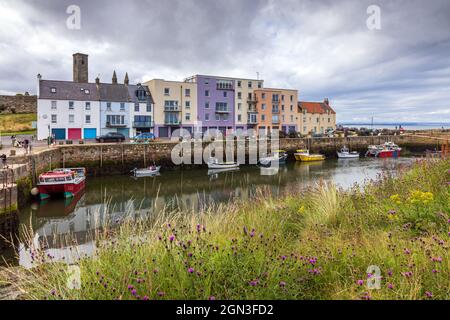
313, 244
17, 123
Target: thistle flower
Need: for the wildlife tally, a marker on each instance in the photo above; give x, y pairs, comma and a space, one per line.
428, 294
360, 282
191, 270
390, 286
211, 298
282, 284
171, 238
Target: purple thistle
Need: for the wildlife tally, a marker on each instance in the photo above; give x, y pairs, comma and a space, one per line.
161, 294
428, 294
171, 238
191, 270
360, 282
134, 292
211, 298
390, 286
282, 284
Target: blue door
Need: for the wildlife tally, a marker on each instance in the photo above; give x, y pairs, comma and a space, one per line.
60, 134
90, 133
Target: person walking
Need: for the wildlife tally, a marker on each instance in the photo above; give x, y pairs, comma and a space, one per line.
13, 140
26, 143
3, 159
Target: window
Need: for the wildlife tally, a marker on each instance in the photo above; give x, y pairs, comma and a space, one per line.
259, 85
188, 104
292, 107
292, 118
171, 105
292, 98
282, 97
239, 95
206, 93
187, 92
239, 106
207, 117
250, 84
108, 106
221, 106
206, 105
224, 84
206, 81
166, 91
53, 90
263, 106
329, 120
87, 106
149, 107
53, 105
239, 117
263, 117
136, 107
239, 84
122, 106
88, 118
71, 105
141, 94
54, 118
71, 118
282, 107
275, 97
282, 117
217, 117
188, 116
115, 120
318, 120
263, 96
224, 94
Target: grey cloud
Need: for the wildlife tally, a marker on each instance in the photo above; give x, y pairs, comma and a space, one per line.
322, 48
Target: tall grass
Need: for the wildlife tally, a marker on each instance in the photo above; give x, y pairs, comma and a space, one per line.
314, 244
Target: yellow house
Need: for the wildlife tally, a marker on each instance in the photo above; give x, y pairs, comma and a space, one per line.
316, 117
175, 106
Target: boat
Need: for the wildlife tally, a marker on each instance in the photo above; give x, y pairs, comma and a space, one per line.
345, 153
277, 157
213, 163
61, 182
304, 155
146, 172
386, 150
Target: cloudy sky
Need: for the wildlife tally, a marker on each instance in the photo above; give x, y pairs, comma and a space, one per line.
322, 48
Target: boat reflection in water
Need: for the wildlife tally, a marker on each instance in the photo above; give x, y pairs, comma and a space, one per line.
111, 200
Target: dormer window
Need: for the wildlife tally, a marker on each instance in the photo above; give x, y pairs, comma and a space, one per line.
53, 90
141, 94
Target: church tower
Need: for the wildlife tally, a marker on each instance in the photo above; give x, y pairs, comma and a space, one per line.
80, 68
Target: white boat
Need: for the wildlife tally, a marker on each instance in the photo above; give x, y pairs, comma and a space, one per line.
278, 157
146, 172
345, 153
213, 163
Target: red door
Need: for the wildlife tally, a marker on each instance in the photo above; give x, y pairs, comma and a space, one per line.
74, 134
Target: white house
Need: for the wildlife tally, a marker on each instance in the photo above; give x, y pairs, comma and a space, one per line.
67, 110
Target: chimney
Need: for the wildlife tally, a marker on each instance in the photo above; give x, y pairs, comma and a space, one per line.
97, 81
326, 101
38, 91
114, 78
80, 68
126, 81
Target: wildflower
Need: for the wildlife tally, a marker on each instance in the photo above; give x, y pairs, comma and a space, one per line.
130, 287
313, 261
301, 210
435, 271
366, 296
199, 228
253, 283
428, 294
390, 286
145, 298
390, 273
190, 254
134, 292
171, 238
211, 298
155, 271
360, 282
282, 284
161, 294
53, 292
407, 251
283, 258
436, 259
191, 270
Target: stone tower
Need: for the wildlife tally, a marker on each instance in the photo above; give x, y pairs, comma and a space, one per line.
80, 68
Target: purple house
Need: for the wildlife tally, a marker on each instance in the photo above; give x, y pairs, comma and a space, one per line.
216, 101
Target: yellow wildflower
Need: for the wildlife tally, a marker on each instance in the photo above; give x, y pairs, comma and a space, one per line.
301, 210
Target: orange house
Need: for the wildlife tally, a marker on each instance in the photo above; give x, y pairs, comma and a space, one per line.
268, 103
277, 110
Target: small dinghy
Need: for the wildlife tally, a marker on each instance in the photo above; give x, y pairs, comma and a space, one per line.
217, 171
345, 153
278, 157
146, 172
213, 163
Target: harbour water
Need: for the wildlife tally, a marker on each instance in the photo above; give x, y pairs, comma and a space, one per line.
406, 126
111, 199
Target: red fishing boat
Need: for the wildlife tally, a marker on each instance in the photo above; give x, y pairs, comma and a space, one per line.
62, 182
387, 150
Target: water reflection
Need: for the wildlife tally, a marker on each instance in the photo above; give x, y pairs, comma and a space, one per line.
109, 200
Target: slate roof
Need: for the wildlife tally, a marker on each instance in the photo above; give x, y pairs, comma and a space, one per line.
114, 92
68, 90
132, 88
315, 107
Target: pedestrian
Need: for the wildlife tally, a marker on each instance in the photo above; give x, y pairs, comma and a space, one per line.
13, 140
3, 159
26, 143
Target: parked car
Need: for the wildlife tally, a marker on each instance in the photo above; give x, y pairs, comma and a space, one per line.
143, 137
111, 137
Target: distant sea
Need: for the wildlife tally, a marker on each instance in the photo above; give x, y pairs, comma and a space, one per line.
404, 125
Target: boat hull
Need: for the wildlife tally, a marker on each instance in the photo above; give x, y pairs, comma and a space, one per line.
218, 166
67, 190
309, 158
140, 173
348, 155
